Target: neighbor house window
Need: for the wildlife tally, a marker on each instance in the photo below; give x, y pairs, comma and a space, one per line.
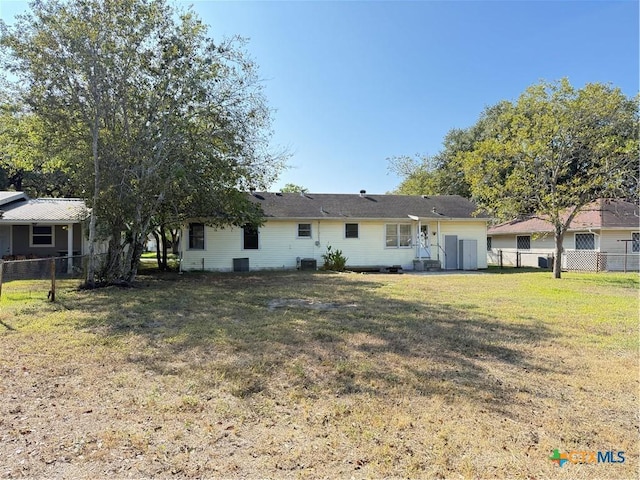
196, 236
585, 241
635, 245
397, 235
249, 237
523, 242
42, 236
488, 243
304, 230
350, 230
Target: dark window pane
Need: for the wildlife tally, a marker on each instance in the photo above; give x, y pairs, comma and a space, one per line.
196, 236
351, 230
304, 230
524, 242
250, 240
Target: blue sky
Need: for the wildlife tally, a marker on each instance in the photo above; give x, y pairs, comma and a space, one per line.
354, 83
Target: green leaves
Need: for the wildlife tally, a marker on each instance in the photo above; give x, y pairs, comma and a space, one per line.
556, 147
159, 121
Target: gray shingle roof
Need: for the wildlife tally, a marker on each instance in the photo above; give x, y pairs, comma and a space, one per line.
340, 206
43, 210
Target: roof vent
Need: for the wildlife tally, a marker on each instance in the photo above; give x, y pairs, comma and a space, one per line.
363, 193
425, 196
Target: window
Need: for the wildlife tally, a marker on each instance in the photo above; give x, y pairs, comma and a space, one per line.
397, 235
196, 236
42, 236
488, 243
635, 245
523, 242
585, 241
249, 237
350, 230
304, 230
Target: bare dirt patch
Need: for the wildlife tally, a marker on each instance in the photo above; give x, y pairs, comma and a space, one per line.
305, 303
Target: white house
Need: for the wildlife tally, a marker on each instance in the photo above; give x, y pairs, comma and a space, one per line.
371, 231
604, 235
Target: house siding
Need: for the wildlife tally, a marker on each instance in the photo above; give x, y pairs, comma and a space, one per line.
468, 230
606, 242
541, 246
21, 241
615, 249
609, 240
279, 245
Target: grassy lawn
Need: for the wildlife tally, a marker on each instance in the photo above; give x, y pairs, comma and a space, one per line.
319, 375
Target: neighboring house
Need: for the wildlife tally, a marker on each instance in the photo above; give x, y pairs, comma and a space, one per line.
605, 235
40, 227
370, 230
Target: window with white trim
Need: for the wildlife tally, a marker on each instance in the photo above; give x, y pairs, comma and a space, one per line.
488, 243
635, 245
585, 241
304, 230
42, 236
351, 230
196, 236
398, 235
523, 242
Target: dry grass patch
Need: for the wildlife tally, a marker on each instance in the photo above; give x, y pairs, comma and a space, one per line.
284, 375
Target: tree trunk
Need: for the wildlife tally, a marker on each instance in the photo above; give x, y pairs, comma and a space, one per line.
165, 247
133, 259
91, 268
174, 241
557, 260
113, 267
158, 254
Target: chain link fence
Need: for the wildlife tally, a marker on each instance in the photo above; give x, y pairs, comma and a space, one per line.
42, 272
572, 260
17, 268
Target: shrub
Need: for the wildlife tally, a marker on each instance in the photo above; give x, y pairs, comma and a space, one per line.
334, 260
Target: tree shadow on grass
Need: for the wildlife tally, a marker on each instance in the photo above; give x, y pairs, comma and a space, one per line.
342, 335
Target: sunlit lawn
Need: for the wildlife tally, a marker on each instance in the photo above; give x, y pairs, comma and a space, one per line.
294, 374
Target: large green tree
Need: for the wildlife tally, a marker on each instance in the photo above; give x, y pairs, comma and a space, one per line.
553, 152
30, 159
443, 173
162, 122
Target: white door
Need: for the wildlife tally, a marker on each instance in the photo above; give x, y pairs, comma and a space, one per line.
423, 242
